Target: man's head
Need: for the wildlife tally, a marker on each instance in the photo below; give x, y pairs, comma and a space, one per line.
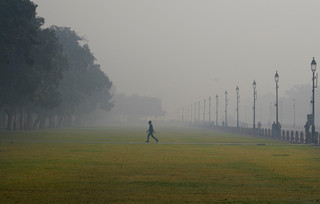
149, 122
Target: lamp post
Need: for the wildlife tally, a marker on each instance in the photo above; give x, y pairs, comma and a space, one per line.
209, 110
204, 112
313, 69
294, 113
186, 114
187, 109
189, 116
276, 79
191, 113
254, 86
238, 101
281, 105
195, 113
217, 106
182, 114
199, 112
277, 127
226, 108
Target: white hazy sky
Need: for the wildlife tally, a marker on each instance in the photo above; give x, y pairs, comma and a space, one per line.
182, 51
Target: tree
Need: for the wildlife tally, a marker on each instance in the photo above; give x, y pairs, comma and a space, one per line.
50, 63
19, 33
81, 81
100, 98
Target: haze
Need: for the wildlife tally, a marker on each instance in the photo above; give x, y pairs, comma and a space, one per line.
185, 51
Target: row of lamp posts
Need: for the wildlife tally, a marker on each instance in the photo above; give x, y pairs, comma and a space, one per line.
276, 126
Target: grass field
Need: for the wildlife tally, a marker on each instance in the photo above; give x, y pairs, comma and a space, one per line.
113, 165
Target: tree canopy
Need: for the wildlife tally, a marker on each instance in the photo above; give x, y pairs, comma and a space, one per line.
83, 80
45, 73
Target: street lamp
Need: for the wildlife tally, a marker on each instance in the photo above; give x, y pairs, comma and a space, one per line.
217, 106
276, 79
204, 112
195, 113
191, 112
182, 114
226, 108
254, 86
199, 111
186, 114
209, 110
238, 101
313, 69
294, 113
277, 125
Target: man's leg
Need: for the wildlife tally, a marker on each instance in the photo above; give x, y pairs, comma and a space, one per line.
154, 137
148, 138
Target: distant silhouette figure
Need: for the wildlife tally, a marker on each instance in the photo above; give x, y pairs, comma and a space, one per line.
259, 125
150, 132
273, 129
306, 128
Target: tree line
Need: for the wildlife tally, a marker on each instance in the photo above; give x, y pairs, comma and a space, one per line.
49, 77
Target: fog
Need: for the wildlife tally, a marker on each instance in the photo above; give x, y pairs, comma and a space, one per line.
185, 51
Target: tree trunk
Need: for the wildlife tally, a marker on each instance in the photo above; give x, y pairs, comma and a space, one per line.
60, 121
50, 119
10, 119
65, 121
29, 118
69, 120
42, 121
1, 117
21, 118
78, 120
25, 120
14, 120
36, 122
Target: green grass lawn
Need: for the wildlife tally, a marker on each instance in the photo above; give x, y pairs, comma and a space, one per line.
70, 166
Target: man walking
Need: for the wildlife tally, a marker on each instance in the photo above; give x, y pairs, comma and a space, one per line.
150, 132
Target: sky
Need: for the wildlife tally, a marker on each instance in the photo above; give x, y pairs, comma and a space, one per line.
183, 51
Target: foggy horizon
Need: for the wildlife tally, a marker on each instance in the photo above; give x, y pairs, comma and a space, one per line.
171, 101
184, 51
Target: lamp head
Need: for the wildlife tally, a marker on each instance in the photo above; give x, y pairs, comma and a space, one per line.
254, 85
276, 77
237, 89
313, 65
